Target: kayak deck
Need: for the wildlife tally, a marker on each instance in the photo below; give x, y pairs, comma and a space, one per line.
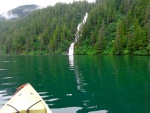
24, 101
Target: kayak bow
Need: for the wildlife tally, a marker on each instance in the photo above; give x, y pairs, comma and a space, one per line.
25, 100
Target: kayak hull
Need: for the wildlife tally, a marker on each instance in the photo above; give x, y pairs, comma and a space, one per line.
24, 101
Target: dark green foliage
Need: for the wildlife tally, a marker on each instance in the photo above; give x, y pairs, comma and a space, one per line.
49, 30
126, 30
113, 27
120, 39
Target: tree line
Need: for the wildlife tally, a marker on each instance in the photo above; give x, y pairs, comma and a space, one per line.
116, 27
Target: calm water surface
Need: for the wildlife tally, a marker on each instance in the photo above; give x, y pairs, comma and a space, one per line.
81, 84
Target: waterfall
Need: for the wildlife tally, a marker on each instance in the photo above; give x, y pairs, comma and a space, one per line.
71, 48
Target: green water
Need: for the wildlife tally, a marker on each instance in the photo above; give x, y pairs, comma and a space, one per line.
83, 84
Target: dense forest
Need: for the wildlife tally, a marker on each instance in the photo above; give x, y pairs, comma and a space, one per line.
45, 31
118, 27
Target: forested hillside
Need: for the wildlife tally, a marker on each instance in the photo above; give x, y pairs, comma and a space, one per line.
117, 27
113, 27
45, 31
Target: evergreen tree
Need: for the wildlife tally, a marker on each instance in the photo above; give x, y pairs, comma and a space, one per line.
120, 34
101, 38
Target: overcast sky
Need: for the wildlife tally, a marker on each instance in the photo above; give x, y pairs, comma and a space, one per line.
6, 5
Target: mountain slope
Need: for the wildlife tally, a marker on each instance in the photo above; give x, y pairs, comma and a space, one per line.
117, 27
18, 12
49, 30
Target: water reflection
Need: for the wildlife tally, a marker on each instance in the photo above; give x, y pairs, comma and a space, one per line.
71, 61
81, 84
78, 75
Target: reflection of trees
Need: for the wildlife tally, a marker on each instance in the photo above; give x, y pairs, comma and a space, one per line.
83, 68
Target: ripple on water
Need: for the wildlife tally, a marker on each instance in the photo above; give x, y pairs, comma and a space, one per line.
4, 97
3, 69
42, 93
7, 97
7, 78
101, 111
2, 92
52, 100
8, 84
6, 61
66, 110
68, 95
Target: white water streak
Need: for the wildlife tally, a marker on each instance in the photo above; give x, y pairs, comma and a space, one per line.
71, 49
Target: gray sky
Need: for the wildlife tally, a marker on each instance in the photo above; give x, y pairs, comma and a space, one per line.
6, 5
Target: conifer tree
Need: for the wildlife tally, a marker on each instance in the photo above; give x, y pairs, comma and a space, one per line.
118, 46
101, 37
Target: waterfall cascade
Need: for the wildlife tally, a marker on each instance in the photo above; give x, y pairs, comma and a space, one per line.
71, 48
